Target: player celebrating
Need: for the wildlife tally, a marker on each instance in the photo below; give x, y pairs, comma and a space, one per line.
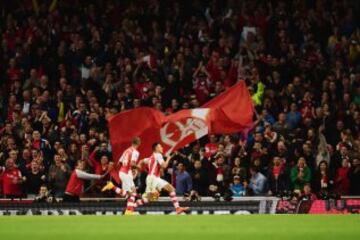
75, 185
129, 163
153, 181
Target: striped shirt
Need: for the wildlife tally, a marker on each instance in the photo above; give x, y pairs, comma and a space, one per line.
130, 155
154, 163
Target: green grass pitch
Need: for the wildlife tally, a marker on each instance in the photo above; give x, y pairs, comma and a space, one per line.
223, 227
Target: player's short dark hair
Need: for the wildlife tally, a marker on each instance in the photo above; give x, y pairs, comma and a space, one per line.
154, 146
136, 141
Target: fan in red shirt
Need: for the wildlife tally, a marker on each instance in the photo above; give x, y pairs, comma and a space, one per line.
231, 74
213, 67
211, 147
36, 140
100, 167
342, 182
13, 72
75, 186
12, 180
202, 83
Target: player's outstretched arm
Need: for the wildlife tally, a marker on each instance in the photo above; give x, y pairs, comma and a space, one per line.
165, 164
141, 163
87, 176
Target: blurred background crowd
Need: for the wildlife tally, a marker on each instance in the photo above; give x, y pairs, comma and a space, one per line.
66, 65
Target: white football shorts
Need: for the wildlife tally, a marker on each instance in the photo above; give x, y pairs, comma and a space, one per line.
154, 184
127, 181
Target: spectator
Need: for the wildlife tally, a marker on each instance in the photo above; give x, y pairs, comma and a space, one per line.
300, 174
73, 154
307, 193
293, 117
237, 169
354, 178
211, 147
200, 178
337, 158
307, 153
228, 146
238, 188
32, 81
278, 178
102, 151
12, 180
322, 181
43, 196
270, 135
59, 173
219, 172
342, 182
281, 126
100, 167
34, 179
257, 182
183, 180
323, 149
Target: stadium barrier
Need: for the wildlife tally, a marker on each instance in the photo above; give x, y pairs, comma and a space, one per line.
113, 206
344, 205
207, 205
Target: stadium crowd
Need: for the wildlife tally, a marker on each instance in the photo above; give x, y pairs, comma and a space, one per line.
66, 65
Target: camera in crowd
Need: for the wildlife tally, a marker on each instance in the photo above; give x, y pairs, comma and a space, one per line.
193, 196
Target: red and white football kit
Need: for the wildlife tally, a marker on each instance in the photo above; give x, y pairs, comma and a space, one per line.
75, 185
154, 183
153, 180
129, 157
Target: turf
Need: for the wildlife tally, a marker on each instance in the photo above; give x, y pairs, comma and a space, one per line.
224, 227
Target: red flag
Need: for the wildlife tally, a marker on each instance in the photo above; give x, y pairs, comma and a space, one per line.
230, 112
123, 127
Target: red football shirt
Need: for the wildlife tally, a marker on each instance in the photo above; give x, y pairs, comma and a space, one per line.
75, 184
210, 149
10, 176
